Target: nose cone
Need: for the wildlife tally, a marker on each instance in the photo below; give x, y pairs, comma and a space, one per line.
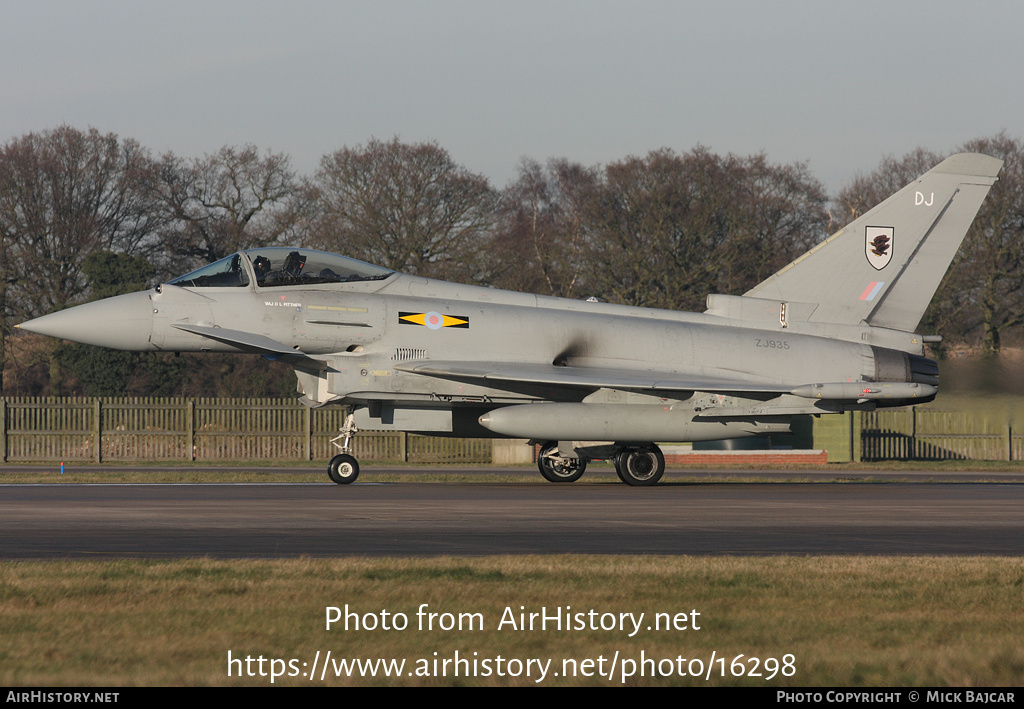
123, 322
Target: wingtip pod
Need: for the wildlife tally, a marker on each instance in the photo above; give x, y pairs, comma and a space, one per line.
883, 268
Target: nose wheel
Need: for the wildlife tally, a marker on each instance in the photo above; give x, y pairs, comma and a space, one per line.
343, 469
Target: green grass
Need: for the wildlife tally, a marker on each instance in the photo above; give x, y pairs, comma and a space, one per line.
240, 473
847, 621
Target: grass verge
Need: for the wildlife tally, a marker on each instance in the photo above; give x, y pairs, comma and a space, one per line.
241, 472
846, 621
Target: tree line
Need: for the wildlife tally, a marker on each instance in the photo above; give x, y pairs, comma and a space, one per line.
86, 215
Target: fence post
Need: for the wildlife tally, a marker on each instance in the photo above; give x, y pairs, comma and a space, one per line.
190, 429
913, 433
853, 450
97, 431
3, 422
307, 421
404, 445
1009, 441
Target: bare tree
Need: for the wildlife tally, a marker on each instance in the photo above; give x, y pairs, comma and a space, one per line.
784, 215
64, 194
539, 244
667, 229
216, 205
865, 191
409, 207
985, 289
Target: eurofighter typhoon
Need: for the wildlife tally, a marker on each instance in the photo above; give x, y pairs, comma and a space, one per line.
833, 331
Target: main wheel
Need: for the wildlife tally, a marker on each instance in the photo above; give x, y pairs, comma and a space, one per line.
343, 469
640, 466
557, 469
617, 470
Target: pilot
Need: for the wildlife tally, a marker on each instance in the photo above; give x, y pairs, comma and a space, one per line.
261, 264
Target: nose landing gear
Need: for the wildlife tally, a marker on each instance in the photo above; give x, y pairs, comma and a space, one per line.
344, 468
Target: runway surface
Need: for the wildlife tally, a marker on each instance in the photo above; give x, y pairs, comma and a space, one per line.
410, 518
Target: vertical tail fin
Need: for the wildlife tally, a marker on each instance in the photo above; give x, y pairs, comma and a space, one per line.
884, 268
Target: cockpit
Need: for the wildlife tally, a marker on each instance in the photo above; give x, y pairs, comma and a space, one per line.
280, 266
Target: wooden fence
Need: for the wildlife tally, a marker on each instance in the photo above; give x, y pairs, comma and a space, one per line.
927, 434
123, 429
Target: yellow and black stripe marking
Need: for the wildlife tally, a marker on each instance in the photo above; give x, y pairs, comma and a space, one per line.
433, 320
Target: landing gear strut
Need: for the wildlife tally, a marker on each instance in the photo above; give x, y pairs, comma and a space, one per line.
344, 468
557, 468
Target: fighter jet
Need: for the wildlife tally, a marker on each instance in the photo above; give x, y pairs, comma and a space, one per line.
833, 331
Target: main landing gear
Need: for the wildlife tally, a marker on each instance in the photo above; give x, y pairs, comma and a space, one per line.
344, 468
637, 466
557, 468
640, 466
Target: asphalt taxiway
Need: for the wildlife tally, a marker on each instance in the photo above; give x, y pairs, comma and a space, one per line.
413, 518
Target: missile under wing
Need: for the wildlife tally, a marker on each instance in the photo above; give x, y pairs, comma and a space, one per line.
833, 331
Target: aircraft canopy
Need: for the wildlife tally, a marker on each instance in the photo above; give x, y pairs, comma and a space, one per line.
280, 266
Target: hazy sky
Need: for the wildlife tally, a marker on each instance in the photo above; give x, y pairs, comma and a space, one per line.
836, 84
